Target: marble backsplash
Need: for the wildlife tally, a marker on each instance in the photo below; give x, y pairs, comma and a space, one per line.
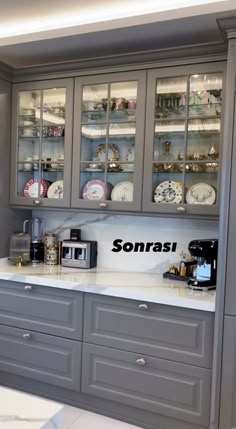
107, 228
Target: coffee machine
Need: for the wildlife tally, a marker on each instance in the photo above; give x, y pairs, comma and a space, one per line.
204, 253
34, 227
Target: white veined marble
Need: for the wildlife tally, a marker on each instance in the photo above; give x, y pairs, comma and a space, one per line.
139, 286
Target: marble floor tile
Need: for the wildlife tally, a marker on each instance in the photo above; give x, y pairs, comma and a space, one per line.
94, 421
23, 411
64, 418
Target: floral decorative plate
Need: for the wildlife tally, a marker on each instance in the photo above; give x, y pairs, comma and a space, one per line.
96, 190
123, 191
112, 152
56, 190
201, 193
31, 189
168, 192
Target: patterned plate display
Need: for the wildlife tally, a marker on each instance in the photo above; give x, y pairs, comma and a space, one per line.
201, 193
56, 190
123, 191
32, 186
168, 192
96, 190
112, 152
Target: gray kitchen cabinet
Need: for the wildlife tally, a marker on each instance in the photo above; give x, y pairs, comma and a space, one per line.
156, 385
43, 309
109, 117
228, 387
230, 298
173, 333
183, 140
42, 116
46, 358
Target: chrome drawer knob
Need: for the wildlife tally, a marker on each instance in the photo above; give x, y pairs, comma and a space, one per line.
141, 361
103, 205
26, 336
36, 202
143, 307
28, 287
181, 209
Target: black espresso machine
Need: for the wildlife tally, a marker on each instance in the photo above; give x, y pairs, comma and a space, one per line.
204, 263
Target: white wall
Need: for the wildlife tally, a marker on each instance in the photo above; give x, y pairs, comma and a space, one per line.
106, 228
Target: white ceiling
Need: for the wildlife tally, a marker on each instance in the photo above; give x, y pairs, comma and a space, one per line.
48, 31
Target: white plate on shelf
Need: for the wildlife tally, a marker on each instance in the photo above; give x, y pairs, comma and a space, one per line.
123, 191
56, 190
169, 192
201, 193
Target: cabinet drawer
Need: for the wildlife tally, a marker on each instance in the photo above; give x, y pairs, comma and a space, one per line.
41, 357
43, 309
173, 333
155, 385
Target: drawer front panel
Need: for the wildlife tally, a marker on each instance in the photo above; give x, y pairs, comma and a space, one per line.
161, 331
41, 357
155, 385
43, 309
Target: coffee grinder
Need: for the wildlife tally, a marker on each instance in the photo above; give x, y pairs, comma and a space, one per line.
204, 253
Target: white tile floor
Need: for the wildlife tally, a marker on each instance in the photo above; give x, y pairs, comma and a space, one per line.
22, 411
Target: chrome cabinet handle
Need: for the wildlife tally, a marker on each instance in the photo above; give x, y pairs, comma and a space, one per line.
103, 205
141, 361
181, 209
36, 202
26, 336
28, 287
143, 307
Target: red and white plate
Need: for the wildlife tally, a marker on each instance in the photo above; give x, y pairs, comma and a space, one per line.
97, 190
31, 189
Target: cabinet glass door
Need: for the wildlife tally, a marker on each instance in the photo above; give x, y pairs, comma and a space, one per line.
108, 158
43, 116
183, 142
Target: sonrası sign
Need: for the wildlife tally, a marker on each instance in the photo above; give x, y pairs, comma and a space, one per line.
127, 246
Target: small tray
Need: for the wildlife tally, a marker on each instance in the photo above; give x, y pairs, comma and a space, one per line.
171, 276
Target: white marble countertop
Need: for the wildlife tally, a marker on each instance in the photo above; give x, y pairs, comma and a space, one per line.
140, 286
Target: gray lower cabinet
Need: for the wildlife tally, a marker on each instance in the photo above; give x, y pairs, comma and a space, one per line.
53, 360
173, 333
156, 385
43, 309
228, 389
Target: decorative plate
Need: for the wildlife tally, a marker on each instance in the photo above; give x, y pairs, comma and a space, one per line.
123, 191
168, 192
96, 190
32, 186
112, 152
56, 190
201, 193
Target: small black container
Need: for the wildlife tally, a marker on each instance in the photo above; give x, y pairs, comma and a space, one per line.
37, 251
75, 234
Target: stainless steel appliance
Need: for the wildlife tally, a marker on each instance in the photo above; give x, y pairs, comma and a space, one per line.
34, 227
79, 254
204, 253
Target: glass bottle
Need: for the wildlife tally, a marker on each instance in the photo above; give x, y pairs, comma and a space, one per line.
167, 157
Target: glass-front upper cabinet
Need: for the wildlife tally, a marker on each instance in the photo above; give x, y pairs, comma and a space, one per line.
108, 141
183, 140
42, 143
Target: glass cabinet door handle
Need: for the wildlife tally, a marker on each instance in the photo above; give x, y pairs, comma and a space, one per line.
102, 205
143, 307
36, 202
26, 336
181, 209
28, 287
141, 361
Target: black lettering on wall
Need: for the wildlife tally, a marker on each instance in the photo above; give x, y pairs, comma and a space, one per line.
117, 246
